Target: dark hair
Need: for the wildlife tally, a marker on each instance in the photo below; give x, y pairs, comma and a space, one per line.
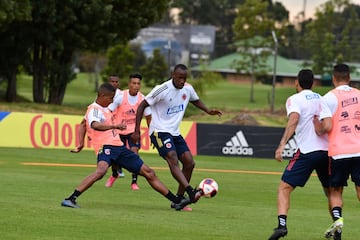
305, 78
106, 88
342, 72
135, 75
180, 66
113, 75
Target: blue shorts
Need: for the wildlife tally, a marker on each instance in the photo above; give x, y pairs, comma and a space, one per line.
302, 165
127, 141
341, 169
121, 156
165, 142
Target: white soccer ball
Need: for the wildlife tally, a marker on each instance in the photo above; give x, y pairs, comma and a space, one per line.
209, 187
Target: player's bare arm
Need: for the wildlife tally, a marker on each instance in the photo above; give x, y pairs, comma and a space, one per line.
82, 132
135, 137
322, 126
288, 133
199, 104
103, 127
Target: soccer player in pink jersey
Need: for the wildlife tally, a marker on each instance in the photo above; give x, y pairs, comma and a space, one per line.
168, 103
104, 135
114, 81
340, 119
124, 108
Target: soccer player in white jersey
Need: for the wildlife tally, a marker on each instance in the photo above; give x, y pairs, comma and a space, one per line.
168, 103
312, 149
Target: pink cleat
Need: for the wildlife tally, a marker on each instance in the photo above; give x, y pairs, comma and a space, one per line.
134, 187
187, 209
110, 181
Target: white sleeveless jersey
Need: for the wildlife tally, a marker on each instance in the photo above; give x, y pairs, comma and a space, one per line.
168, 105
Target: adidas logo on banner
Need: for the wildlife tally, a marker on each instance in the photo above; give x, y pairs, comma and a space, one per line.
237, 145
290, 148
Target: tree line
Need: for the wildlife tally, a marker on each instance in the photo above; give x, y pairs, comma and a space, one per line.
45, 38
42, 37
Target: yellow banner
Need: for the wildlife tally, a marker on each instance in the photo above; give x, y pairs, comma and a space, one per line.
36, 130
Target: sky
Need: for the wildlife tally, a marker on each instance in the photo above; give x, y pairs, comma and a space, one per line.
296, 6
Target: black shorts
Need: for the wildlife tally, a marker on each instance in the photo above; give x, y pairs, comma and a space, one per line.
165, 142
302, 165
341, 169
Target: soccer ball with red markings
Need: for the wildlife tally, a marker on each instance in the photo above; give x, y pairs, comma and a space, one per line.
209, 187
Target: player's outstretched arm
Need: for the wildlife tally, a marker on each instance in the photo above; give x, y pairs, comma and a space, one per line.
199, 104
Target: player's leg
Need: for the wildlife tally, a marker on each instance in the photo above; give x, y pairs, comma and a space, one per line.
283, 204
101, 169
355, 175
357, 188
115, 174
186, 158
134, 164
166, 148
135, 149
157, 185
340, 171
295, 174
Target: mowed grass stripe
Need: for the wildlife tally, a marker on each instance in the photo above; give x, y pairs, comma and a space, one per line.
155, 168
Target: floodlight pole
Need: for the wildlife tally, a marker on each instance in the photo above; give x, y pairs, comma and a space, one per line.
274, 71
169, 55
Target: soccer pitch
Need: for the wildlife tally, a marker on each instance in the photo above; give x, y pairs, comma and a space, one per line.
35, 181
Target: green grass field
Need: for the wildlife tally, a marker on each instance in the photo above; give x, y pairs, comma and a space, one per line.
245, 207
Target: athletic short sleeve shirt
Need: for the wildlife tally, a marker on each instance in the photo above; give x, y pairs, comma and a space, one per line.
95, 115
168, 105
117, 100
307, 104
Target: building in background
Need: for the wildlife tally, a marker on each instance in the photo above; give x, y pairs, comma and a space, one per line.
187, 44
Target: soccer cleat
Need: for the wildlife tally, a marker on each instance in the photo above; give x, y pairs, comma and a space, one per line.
335, 227
337, 235
186, 208
182, 204
134, 187
110, 181
69, 203
195, 195
278, 233
121, 174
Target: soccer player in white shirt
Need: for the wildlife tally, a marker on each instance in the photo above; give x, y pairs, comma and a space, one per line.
168, 103
312, 149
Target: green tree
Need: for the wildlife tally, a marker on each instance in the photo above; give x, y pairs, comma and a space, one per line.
221, 14
140, 58
252, 29
332, 37
14, 43
58, 29
14, 11
120, 59
123, 59
155, 71
84, 24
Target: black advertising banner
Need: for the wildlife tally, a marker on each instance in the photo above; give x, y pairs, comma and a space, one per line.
241, 141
